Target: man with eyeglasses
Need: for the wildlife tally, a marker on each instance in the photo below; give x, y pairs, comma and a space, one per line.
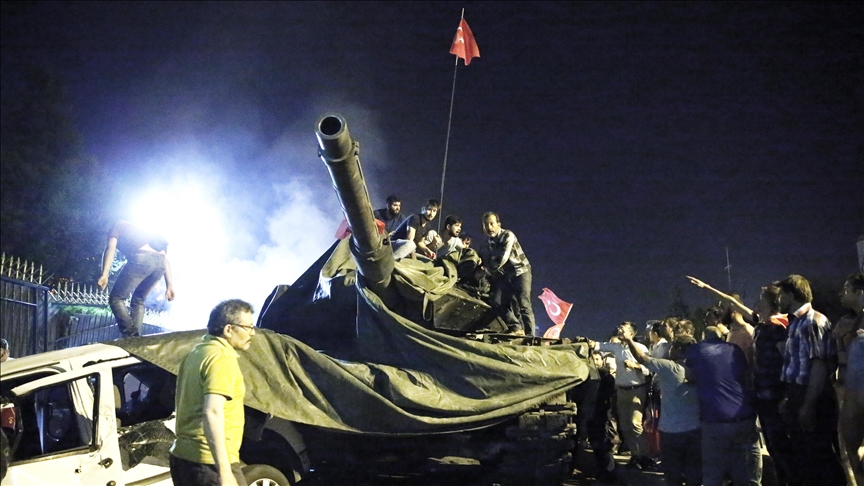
209, 401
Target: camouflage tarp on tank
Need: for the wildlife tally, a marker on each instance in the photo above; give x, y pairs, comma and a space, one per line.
407, 380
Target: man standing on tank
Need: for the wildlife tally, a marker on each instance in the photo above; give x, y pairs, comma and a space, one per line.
209, 401
391, 215
510, 276
147, 262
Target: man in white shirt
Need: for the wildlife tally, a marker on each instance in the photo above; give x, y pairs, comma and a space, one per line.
632, 393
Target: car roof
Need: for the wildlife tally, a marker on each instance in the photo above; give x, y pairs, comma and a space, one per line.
76, 357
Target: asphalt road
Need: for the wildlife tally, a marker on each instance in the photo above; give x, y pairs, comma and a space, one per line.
583, 474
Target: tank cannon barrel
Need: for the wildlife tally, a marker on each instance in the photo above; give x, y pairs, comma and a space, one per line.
341, 153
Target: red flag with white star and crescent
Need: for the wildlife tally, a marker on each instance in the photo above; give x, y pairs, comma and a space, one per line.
557, 309
464, 45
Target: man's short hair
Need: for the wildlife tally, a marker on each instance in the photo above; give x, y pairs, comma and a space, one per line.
628, 324
683, 328
662, 329
856, 280
680, 345
4, 344
715, 312
451, 220
798, 286
227, 312
488, 214
771, 295
432, 203
393, 198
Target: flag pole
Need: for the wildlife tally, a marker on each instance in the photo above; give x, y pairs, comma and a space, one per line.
447, 143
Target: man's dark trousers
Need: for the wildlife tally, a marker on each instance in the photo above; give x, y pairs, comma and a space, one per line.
138, 277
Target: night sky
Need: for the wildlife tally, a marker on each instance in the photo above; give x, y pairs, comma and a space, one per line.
626, 144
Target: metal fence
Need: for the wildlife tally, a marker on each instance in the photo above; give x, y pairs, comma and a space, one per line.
31, 318
23, 307
88, 329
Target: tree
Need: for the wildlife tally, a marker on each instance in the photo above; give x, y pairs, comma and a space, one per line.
678, 308
49, 197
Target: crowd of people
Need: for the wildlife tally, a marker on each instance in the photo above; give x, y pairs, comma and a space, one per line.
781, 367
692, 408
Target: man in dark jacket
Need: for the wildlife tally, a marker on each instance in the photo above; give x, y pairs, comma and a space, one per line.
730, 440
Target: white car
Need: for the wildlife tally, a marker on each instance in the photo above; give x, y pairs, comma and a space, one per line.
95, 415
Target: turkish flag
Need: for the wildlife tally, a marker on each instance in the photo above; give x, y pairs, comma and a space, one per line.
344, 231
557, 309
553, 332
464, 45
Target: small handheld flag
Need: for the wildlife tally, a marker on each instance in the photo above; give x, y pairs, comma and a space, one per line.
557, 309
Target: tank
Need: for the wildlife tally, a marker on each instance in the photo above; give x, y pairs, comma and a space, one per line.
313, 297
327, 308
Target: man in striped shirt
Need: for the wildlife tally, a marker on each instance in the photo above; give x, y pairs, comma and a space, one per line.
510, 276
810, 405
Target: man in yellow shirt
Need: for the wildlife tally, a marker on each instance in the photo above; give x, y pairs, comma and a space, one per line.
209, 402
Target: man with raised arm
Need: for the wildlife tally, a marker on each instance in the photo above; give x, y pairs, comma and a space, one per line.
734, 316
209, 402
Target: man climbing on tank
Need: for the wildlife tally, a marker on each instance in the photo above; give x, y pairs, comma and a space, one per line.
509, 275
147, 262
448, 241
415, 233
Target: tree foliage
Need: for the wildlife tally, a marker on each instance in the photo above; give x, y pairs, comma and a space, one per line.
49, 188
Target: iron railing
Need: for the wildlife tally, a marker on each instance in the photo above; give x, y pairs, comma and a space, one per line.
23, 306
31, 317
88, 329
